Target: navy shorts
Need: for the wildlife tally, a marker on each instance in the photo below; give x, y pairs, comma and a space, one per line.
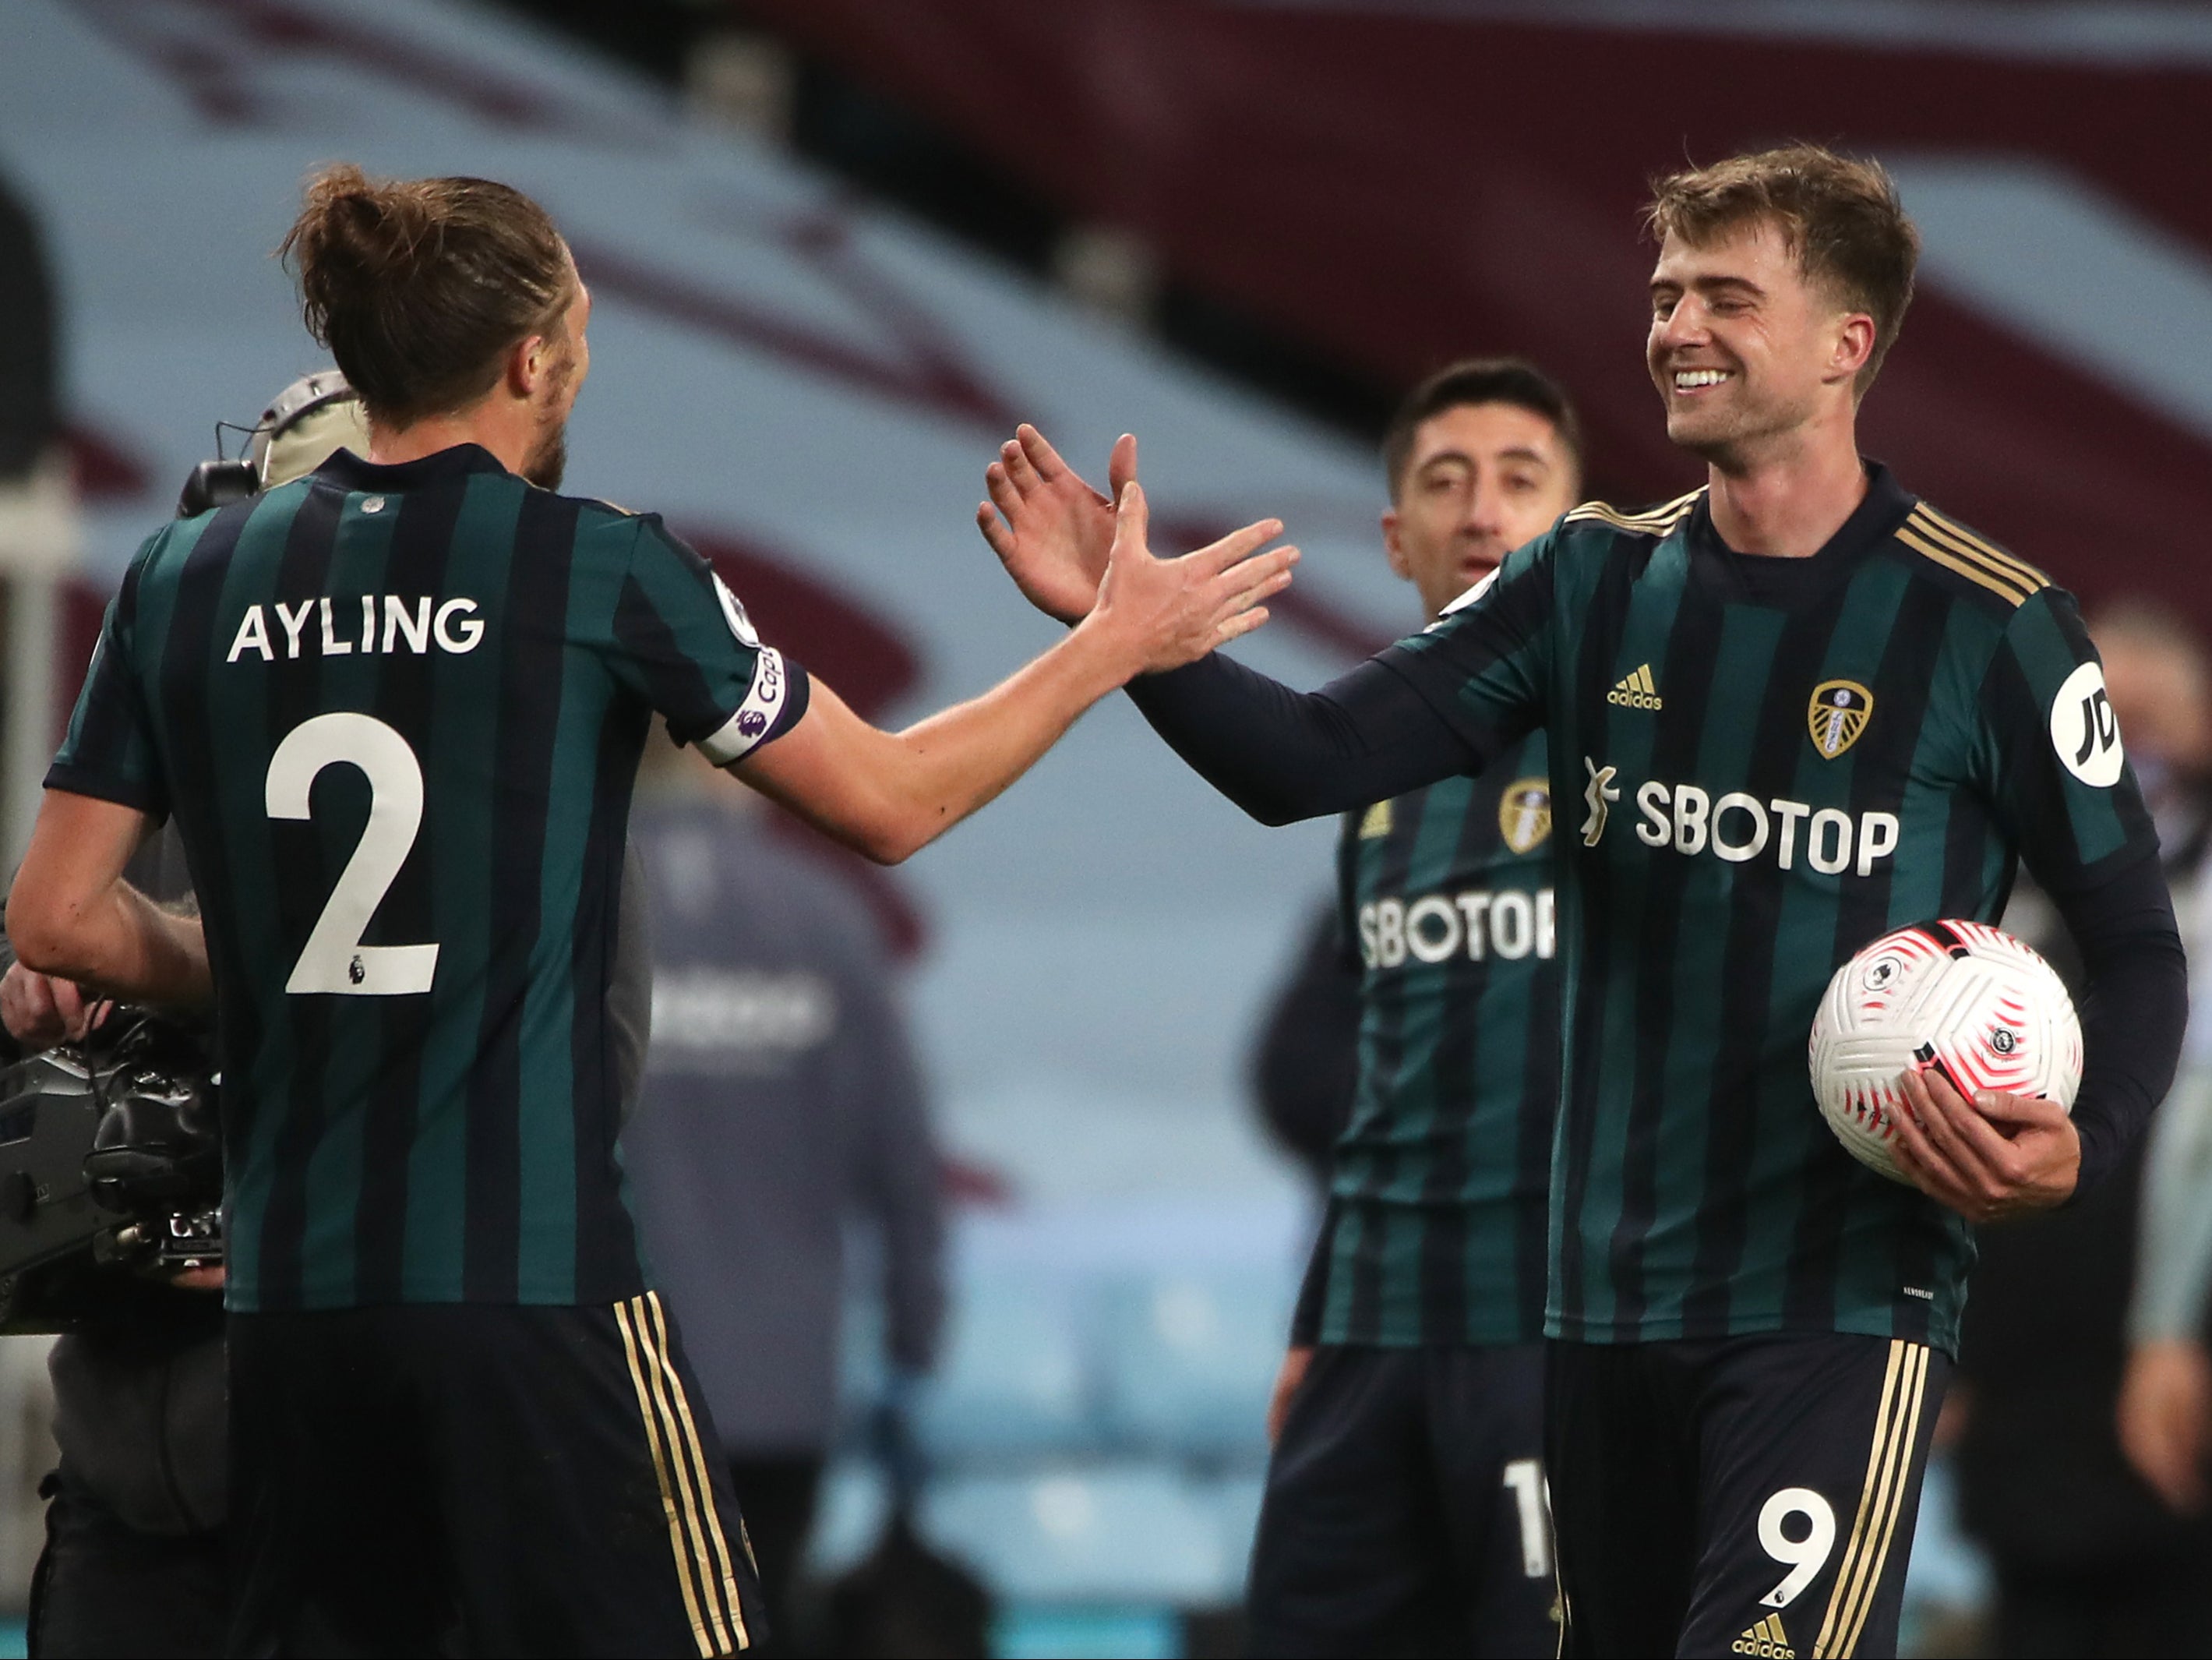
1404, 1512
1741, 1496
479, 1479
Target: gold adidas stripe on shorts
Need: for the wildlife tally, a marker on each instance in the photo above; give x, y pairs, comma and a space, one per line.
695, 1537
1882, 1501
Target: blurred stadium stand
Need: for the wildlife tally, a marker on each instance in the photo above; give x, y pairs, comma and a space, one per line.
1392, 181
1190, 1357
28, 420
1012, 1384
838, 249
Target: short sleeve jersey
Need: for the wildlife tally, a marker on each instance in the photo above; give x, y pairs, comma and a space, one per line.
397, 712
1761, 764
1435, 1228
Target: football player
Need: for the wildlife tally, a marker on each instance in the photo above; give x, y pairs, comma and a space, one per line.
1792, 710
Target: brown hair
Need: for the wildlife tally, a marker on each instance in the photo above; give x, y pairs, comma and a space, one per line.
1841, 218
419, 287
1473, 381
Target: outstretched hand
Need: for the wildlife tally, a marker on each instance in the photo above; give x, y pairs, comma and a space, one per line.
1051, 530
1163, 613
1998, 1155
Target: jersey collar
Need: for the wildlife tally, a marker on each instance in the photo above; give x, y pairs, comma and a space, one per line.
349, 473
1764, 580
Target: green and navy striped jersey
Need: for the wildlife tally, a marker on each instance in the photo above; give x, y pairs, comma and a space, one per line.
1760, 765
397, 712
1434, 1229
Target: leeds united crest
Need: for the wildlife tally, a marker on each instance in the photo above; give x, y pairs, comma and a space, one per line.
1524, 813
1837, 714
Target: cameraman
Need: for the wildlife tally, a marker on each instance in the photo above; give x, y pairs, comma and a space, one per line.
134, 1562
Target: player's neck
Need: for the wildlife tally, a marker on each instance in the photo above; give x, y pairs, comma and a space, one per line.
487, 424
1787, 502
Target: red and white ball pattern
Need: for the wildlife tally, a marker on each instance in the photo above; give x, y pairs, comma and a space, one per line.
1963, 998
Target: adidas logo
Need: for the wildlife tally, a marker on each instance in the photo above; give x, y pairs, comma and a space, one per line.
1636, 692
1766, 1640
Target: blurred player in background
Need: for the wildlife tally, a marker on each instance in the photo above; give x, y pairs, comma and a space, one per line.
2166, 1399
1794, 708
397, 708
2081, 1418
781, 1106
2083, 1413
1405, 1507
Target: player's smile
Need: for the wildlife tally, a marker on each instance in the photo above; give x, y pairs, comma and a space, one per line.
1688, 382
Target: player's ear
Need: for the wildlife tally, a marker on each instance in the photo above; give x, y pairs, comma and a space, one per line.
1854, 346
529, 361
1392, 548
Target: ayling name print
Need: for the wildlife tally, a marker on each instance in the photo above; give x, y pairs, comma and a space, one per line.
338, 628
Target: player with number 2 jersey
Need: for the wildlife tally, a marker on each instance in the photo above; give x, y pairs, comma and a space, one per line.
395, 711
397, 708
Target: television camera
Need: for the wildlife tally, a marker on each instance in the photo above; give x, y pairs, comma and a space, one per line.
110, 1171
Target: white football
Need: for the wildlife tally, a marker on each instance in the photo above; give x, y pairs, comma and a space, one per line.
1964, 998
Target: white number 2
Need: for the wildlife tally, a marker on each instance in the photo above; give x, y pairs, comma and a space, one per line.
334, 959
1805, 1556
1526, 1477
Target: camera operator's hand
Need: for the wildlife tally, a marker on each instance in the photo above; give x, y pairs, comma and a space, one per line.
199, 1279
39, 1011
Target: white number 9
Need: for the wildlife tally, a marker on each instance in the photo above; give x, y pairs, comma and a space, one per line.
1805, 1556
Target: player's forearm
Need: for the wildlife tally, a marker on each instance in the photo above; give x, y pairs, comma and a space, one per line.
888, 795
1283, 755
119, 944
2134, 1014
956, 761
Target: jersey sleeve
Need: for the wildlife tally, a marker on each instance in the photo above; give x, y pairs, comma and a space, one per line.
2051, 749
109, 750
683, 641
1485, 664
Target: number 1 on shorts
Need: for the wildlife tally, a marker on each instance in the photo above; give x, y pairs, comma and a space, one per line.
1526, 1477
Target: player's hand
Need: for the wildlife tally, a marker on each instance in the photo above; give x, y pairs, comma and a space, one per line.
2165, 1418
1163, 613
39, 1011
1995, 1156
1051, 530
1287, 1385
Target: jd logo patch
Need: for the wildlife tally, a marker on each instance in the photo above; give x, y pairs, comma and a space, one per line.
1524, 813
1836, 715
2084, 730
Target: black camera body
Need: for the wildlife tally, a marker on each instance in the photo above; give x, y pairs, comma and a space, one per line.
110, 1171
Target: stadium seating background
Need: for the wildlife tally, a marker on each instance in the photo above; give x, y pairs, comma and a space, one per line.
1396, 178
